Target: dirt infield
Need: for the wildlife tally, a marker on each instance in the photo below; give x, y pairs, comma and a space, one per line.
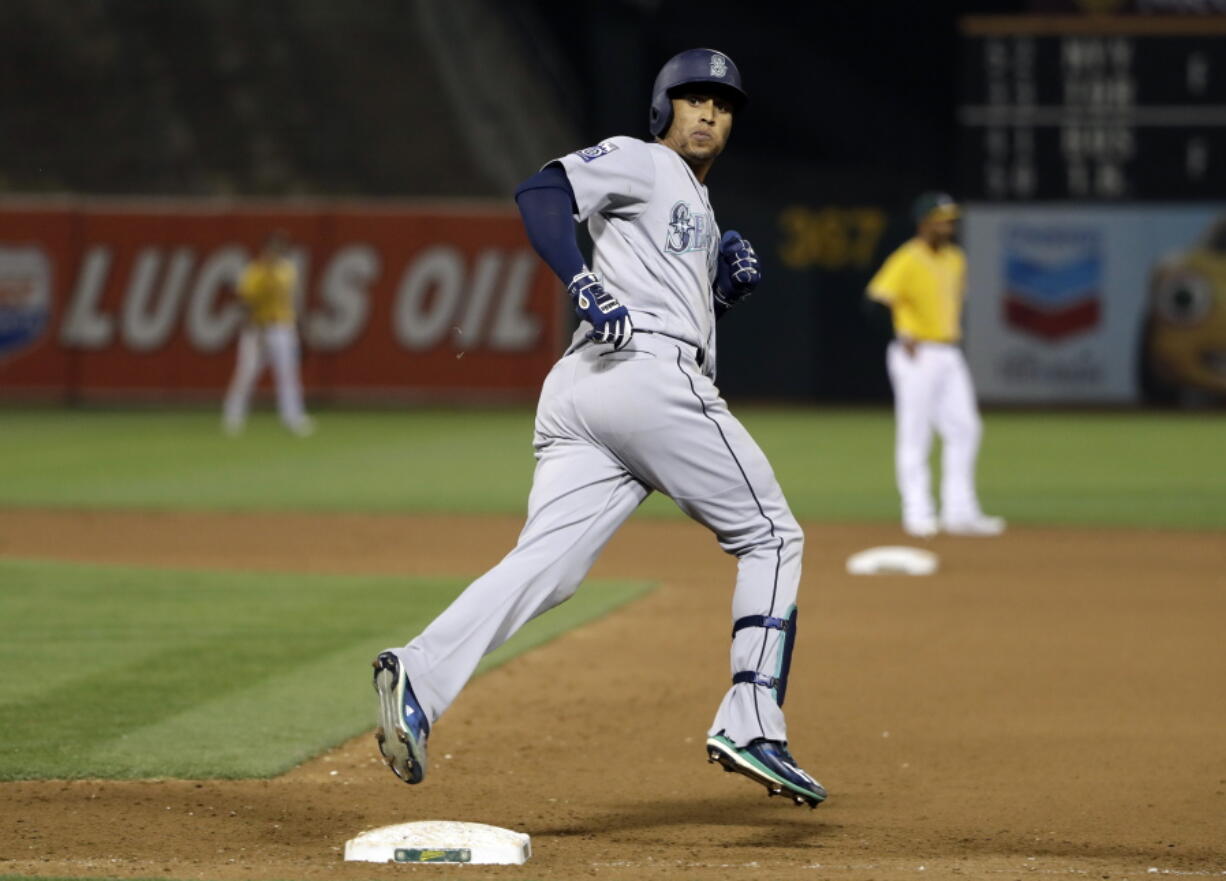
1051, 703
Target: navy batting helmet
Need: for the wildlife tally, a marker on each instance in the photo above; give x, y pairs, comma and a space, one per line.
692, 66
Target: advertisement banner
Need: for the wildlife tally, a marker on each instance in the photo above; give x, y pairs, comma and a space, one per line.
1096, 304
115, 300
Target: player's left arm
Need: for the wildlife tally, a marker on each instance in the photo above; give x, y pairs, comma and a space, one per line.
738, 273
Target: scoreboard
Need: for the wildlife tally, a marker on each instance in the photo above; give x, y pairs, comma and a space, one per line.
1093, 108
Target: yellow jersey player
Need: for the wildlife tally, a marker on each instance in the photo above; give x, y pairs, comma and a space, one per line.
269, 336
924, 283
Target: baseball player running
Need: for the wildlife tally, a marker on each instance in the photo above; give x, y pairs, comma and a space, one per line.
923, 283
266, 289
630, 408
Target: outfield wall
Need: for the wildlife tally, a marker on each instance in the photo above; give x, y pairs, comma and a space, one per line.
107, 300
129, 300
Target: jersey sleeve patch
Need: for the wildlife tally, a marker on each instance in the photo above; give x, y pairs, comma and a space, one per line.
604, 148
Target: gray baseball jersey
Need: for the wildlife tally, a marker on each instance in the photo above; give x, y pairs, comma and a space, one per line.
612, 426
654, 237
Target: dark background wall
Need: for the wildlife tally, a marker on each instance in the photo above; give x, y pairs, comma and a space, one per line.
855, 87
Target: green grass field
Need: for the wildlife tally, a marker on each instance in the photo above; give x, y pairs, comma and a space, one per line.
1116, 468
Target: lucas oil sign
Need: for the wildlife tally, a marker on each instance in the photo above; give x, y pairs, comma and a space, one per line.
115, 300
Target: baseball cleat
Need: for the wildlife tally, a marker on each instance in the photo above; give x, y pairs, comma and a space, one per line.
303, 428
980, 524
920, 527
767, 762
403, 726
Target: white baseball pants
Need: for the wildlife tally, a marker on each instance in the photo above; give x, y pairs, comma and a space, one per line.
933, 390
275, 344
610, 428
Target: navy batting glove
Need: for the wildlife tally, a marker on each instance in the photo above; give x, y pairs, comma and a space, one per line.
610, 320
739, 270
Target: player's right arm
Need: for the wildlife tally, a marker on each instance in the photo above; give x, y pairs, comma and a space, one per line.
888, 287
547, 205
614, 178
247, 290
889, 284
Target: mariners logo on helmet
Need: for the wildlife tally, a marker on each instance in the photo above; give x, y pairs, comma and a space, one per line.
719, 66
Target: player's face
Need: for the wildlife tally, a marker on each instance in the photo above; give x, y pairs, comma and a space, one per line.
701, 124
275, 246
939, 231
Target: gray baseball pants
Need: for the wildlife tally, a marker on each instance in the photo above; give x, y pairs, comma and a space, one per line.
611, 427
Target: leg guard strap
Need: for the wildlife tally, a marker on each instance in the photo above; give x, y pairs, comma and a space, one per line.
756, 678
761, 621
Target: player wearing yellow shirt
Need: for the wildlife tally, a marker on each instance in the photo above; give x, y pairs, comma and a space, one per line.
267, 290
269, 336
924, 283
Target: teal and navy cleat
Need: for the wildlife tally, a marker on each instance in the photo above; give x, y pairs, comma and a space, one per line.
403, 726
767, 762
